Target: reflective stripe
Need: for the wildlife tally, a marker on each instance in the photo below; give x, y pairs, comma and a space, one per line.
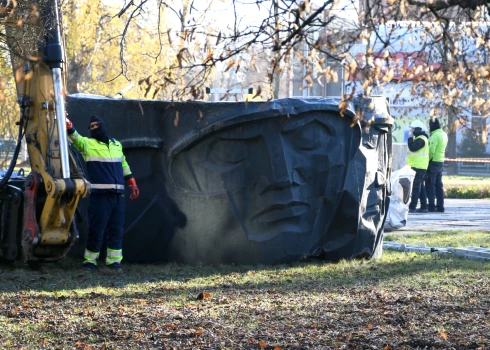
419, 154
90, 257
112, 261
111, 252
113, 256
102, 159
126, 171
73, 136
107, 187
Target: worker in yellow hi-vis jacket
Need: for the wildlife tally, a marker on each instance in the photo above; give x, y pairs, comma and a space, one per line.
437, 149
107, 171
418, 159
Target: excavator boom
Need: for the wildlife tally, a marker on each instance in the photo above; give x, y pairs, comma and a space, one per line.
52, 190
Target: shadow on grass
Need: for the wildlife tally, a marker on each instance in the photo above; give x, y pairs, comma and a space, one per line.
175, 279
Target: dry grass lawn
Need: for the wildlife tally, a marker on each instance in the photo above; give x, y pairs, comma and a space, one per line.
403, 301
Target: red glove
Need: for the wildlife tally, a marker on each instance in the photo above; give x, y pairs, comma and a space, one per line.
135, 192
69, 124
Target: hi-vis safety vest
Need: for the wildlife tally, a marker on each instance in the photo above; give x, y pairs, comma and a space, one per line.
419, 159
106, 163
437, 145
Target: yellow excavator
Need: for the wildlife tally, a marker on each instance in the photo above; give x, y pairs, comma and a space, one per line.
37, 212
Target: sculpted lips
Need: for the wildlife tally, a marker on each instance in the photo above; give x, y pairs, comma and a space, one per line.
279, 212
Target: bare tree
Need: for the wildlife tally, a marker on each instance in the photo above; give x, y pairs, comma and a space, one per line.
217, 37
451, 52
330, 30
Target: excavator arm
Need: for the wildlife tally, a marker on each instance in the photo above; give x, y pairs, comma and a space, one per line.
53, 188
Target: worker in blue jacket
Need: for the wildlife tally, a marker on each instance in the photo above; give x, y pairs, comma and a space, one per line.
107, 170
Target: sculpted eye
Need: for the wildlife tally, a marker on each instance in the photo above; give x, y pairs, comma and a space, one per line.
311, 136
307, 144
229, 151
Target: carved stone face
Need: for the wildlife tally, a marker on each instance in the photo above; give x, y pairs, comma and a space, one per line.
275, 172
247, 184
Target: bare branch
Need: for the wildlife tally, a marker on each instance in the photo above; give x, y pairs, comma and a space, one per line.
438, 5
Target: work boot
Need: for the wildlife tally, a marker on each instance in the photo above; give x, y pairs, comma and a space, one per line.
89, 267
438, 210
412, 211
422, 210
114, 266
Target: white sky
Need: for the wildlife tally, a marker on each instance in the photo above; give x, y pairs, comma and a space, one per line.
249, 13
222, 11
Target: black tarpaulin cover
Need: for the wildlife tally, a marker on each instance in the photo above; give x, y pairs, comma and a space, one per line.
249, 182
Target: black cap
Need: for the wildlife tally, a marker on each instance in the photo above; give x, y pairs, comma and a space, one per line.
434, 124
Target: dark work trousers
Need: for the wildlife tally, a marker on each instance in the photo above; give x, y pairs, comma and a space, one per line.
106, 216
423, 194
418, 183
434, 186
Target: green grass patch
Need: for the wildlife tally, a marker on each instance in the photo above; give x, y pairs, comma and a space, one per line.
467, 191
466, 187
466, 180
403, 300
454, 239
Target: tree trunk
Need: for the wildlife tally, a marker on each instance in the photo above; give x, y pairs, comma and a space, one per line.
452, 168
74, 75
276, 73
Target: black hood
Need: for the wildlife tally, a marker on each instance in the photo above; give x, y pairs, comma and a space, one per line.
434, 124
419, 131
100, 133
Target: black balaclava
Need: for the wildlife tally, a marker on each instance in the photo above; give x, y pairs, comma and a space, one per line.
100, 134
419, 131
434, 124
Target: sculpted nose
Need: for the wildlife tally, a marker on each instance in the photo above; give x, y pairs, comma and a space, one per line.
280, 169
281, 173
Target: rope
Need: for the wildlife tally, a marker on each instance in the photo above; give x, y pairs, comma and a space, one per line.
468, 160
